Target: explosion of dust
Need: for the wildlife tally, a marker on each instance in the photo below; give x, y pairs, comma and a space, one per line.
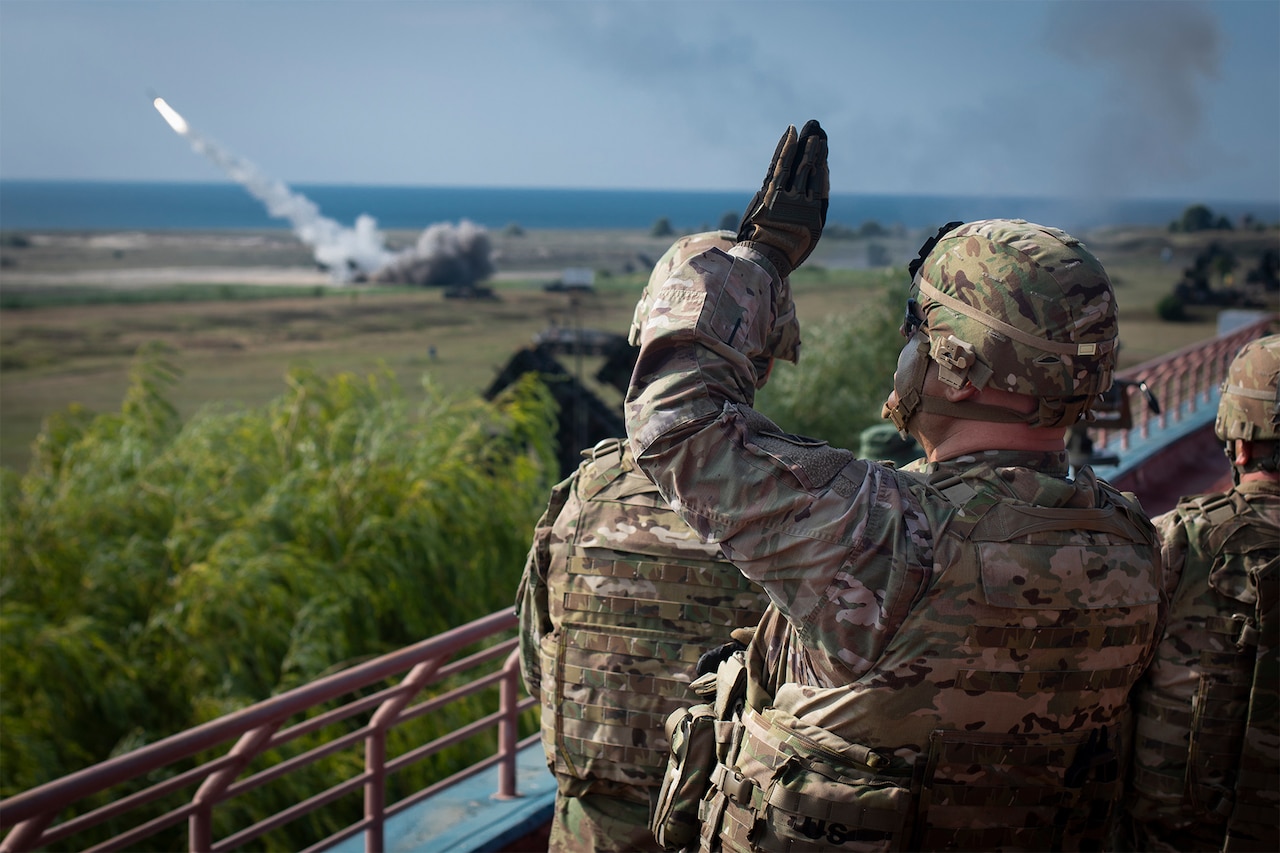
443, 255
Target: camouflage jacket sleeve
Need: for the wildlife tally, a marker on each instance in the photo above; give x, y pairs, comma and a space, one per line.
532, 610
1172, 530
827, 535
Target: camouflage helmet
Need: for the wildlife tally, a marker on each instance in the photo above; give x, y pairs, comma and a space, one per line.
783, 343
1250, 404
1021, 307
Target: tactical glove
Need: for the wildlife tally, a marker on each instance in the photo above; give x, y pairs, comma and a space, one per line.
785, 218
710, 660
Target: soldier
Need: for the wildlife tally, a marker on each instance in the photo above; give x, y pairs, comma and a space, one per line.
618, 600
1206, 772
950, 650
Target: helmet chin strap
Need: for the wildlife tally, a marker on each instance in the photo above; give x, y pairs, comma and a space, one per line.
908, 383
974, 411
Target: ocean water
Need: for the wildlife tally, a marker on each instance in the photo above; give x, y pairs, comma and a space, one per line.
113, 206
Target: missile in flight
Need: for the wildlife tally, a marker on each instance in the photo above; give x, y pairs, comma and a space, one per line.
176, 121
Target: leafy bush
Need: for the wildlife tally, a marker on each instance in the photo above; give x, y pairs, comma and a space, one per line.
1171, 309
1199, 217
844, 375
661, 227
158, 574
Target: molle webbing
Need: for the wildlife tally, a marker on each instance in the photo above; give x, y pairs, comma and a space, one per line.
1228, 515
1060, 611
689, 612
1047, 681
783, 792
667, 650
1062, 785
1096, 637
622, 681
1240, 630
1255, 821
1223, 781
786, 793
718, 576
631, 634
1214, 753
1161, 735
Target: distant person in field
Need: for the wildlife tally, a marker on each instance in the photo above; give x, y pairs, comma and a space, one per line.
618, 601
1206, 769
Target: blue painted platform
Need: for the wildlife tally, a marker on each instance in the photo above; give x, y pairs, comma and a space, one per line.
466, 818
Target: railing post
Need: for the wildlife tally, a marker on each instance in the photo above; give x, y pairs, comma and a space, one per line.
375, 753
375, 791
27, 834
200, 824
508, 728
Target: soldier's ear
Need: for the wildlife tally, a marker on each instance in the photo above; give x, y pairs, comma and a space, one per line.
958, 395
1244, 451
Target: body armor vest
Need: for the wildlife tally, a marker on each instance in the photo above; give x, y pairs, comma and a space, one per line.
636, 598
1208, 746
993, 718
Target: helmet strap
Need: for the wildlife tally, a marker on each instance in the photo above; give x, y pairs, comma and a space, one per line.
973, 411
908, 384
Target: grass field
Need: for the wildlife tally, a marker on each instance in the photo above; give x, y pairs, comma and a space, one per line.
240, 309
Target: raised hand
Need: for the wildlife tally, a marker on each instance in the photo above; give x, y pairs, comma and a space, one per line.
785, 218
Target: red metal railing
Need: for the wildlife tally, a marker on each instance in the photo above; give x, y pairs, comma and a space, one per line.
257, 729
1181, 381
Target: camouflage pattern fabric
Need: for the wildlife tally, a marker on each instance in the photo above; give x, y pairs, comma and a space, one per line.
1045, 295
854, 556
682, 249
1206, 772
619, 599
1250, 404
594, 823
784, 340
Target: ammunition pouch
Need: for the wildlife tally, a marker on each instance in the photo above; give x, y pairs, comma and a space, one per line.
674, 821
699, 736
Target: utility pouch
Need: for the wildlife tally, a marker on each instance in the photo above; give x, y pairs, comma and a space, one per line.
674, 820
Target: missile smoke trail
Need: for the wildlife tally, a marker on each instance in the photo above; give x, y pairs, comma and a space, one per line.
447, 256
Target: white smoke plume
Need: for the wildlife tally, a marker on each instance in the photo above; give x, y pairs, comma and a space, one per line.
443, 255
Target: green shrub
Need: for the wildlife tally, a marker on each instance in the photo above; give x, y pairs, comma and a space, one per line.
844, 375
661, 227
1171, 309
159, 573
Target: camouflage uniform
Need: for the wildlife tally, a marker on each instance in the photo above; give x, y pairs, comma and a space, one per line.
951, 646
1206, 770
619, 599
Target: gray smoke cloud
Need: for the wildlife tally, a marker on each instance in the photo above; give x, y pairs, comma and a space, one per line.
1153, 55
444, 253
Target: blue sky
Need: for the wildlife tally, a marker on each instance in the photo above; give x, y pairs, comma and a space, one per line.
1070, 97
